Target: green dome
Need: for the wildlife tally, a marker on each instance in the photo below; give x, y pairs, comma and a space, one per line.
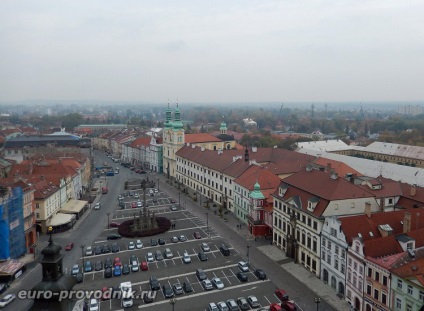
256, 193
177, 125
168, 123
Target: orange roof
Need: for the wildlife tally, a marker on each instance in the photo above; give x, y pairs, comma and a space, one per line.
339, 167
200, 138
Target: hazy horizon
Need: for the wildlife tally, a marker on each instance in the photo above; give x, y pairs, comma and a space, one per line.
320, 51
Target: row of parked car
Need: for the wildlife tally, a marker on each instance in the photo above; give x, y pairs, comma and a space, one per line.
234, 305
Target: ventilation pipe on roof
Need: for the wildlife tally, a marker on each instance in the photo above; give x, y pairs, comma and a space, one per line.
254, 149
413, 191
334, 175
219, 151
202, 148
193, 146
368, 209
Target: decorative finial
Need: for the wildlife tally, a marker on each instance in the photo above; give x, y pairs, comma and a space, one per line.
50, 231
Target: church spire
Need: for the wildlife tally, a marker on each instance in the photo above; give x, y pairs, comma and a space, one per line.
177, 125
168, 123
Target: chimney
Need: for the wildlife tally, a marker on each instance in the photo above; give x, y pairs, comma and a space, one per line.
254, 149
406, 222
202, 148
368, 209
246, 155
329, 170
413, 191
334, 175
382, 204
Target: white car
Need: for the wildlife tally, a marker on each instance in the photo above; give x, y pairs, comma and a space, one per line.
88, 251
6, 300
207, 285
156, 191
186, 258
139, 204
149, 257
94, 305
97, 206
131, 245
138, 244
151, 191
136, 196
217, 283
205, 247
243, 266
222, 306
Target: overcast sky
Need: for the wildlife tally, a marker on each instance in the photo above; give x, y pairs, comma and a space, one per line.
212, 51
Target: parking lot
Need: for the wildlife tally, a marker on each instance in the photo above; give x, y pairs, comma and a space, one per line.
174, 270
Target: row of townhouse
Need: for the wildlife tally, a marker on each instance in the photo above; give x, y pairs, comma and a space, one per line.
59, 183
144, 152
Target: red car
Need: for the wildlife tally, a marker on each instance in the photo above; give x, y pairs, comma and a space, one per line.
173, 201
117, 262
69, 246
144, 266
105, 293
275, 307
133, 205
288, 306
281, 294
197, 235
114, 225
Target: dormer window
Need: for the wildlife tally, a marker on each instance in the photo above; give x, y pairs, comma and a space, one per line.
312, 203
282, 190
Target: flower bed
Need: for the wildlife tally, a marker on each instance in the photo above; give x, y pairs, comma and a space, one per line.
164, 224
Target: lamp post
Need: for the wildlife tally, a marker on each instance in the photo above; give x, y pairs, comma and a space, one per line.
248, 247
179, 198
108, 226
317, 301
82, 254
207, 220
158, 185
34, 247
173, 301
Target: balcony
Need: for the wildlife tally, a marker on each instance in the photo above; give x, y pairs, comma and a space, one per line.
255, 222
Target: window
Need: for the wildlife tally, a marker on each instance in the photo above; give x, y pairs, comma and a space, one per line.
329, 258
323, 241
37, 205
329, 245
343, 254
408, 307
336, 250
422, 296
377, 276
342, 269
336, 264
333, 232
369, 289
384, 280
410, 290
384, 298
399, 284
376, 294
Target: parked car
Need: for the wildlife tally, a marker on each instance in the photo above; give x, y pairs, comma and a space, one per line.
167, 253
131, 245
275, 307
117, 271
105, 248
153, 242
224, 250
201, 275
139, 204
232, 305
288, 306
158, 255
217, 283
154, 283
167, 291
182, 238
242, 276
281, 294
207, 285
187, 287
88, 251
222, 306
97, 206
149, 297
69, 246
242, 265
138, 244
205, 247
174, 239
97, 250
144, 266
178, 289
197, 235
149, 257
161, 241
114, 224
212, 307
202, 256
114, 236
173, 208
99, 265
108, 263
253, 302
75, 269
126, 269
242, 303
94, 305
79, 277
106, 293
117, 262
87, 266
7, 300
186, 258
260, 274
115, 248
133, 205
108, 272
134, 263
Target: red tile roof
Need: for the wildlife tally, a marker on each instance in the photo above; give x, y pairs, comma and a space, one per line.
382, 246
339, 167
200, 138
412, 271
141, 141
265, 178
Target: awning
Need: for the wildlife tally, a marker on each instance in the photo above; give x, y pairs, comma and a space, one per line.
73, 206
61, 219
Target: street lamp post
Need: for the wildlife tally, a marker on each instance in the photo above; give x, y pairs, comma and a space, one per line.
248, 247
173, 301
179, 198
108, 214
207, 220
82, 255
317, 301
34, 247
158, 185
